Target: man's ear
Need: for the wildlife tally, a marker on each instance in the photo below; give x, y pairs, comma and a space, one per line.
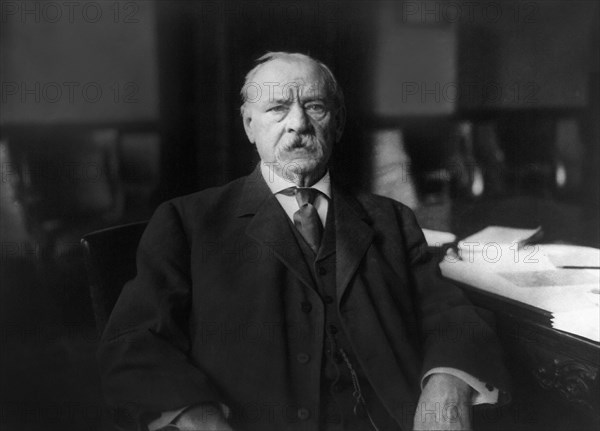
340, 123
247, 120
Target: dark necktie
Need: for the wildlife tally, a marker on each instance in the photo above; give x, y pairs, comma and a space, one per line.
306, 219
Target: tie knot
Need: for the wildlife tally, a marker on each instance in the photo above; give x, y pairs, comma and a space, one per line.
304, 195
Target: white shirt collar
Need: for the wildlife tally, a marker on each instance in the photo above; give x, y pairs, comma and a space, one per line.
277, 184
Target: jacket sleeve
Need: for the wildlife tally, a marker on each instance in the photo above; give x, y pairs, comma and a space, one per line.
455, 333
143, 352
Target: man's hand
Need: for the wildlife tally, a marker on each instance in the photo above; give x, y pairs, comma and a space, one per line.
444, 404
205, 417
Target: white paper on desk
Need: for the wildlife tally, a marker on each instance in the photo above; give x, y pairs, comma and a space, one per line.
552, 277
495, 257
581, 321
498, 260
585, 322
498, 235
437, 238
571, 255
535, 281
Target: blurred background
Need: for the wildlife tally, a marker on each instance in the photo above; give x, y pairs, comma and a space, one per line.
471, 113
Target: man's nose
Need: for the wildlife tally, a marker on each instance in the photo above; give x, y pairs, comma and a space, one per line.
297, 120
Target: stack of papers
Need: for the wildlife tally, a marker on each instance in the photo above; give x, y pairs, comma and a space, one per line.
583, 264
437, 238
561, 279
500, 235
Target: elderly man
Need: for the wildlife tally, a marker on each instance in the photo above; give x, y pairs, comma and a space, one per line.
281, 302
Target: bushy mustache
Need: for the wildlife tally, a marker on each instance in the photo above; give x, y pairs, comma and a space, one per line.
300, 141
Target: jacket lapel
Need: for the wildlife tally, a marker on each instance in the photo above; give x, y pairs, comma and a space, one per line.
270, 226
353, 237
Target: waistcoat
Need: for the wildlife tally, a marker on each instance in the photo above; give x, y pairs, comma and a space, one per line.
338, 407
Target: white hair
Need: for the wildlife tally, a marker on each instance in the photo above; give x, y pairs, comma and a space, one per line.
334, 90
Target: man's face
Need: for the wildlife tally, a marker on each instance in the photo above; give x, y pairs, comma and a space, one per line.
291, 118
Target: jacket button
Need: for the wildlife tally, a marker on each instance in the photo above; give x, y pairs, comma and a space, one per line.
333, 329
489, 387
321, 270
303, 414
328, 299
306, 306
303, 358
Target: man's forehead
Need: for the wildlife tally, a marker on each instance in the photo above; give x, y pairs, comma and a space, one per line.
282, 78
290, 69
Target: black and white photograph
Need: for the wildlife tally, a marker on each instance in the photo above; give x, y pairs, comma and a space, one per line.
299, 215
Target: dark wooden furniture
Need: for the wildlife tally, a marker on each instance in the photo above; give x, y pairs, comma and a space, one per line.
556, 374
110, 260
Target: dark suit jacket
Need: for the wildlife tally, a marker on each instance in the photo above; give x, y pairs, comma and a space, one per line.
207, 317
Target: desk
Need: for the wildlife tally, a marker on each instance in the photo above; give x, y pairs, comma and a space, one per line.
556, 374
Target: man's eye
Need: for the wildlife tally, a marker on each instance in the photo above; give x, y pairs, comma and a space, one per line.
316, 108
278, 108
